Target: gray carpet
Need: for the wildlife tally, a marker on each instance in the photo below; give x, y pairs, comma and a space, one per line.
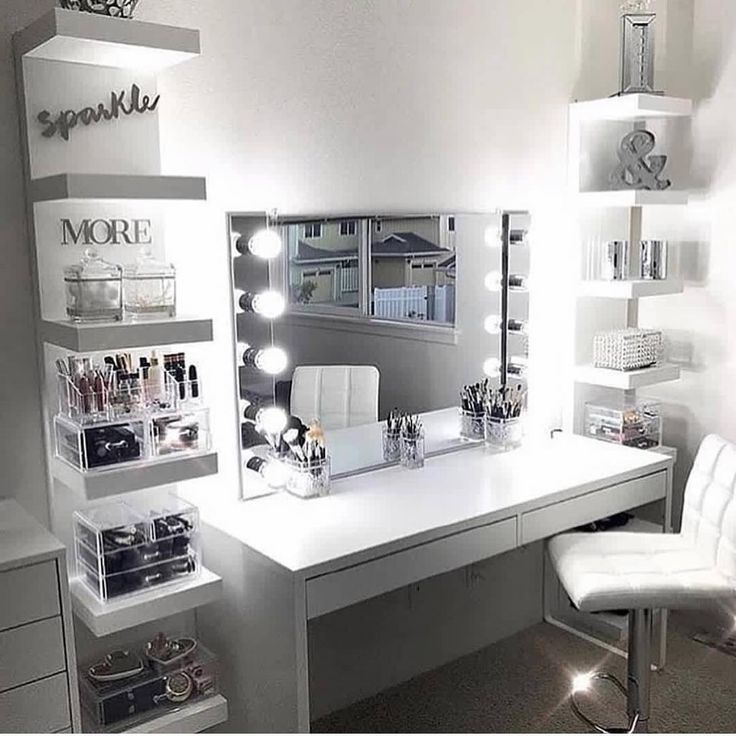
519, 685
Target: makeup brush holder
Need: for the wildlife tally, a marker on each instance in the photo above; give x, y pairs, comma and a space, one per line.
472, 425
504, 434
391, 443
308, 479
412, 450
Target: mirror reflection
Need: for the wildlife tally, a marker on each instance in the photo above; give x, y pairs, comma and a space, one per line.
343, 320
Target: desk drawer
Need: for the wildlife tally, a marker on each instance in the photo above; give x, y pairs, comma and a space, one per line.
28, 594
31, 652
343, 588
40, 707
560, 517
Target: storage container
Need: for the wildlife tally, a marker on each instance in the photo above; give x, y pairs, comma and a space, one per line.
628, 349
122, 549
634, 424
94, 289
149, 288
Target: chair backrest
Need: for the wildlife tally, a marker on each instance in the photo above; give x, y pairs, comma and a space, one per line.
709, 513
337, 395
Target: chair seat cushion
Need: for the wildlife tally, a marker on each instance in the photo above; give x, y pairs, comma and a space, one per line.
616, 570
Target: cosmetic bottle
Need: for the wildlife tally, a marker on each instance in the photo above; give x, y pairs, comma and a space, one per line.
94, 289
156, 381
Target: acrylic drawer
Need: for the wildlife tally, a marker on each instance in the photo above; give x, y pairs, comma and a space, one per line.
31, 652
560, 517
28, 594
39, 707
337, 590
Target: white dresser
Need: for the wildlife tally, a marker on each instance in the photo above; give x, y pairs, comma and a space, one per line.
38, 677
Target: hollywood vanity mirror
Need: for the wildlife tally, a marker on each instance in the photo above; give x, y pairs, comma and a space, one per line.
344, 318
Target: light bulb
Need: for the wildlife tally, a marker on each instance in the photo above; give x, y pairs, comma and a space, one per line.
267, 304
492, 367
581, 683
271, 360
492, 236
272, 419
493, 281
492, 324
265, 244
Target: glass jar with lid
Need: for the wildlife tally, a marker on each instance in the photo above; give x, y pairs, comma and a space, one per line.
149, 288
94, 289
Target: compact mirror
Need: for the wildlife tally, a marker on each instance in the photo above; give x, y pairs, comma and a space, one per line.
342, 319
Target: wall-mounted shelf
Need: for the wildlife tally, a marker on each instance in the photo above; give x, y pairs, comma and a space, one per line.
127, 478
195, 718
91, 337
632, 198
125, 612
86, 38
61, 187
629, 289
626, 380
632, 107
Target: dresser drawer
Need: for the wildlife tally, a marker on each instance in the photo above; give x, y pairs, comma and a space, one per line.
343, 588
39, 707
31, 652
28, 594
560, 517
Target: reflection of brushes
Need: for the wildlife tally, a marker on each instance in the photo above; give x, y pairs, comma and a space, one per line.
394, 421
412, 426
291, 437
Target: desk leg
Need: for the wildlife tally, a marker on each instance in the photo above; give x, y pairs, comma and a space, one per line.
301, 642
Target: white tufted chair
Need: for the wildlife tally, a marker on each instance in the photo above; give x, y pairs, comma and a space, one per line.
337, 395
639, 572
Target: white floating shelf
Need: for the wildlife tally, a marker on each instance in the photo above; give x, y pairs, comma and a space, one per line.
626, 380
86, 38
159, 602
91, 337
633, 107
629, 289
195, 718
126, 478
117, 186
632, 198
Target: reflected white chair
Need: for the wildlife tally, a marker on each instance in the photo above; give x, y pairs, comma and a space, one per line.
337, 395
639, 572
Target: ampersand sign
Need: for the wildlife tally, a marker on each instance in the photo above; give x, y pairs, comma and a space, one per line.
637, 169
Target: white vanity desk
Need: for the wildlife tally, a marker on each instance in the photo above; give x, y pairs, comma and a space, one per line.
285, 560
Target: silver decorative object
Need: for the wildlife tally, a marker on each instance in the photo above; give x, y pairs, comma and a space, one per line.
637, 169
113, 8
615, 260
653, 260
637, 48
632, 348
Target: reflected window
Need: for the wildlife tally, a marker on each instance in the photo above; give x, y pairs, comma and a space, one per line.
413, 269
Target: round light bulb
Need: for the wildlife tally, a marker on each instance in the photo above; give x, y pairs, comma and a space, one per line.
265, 244
272, 419
492, 236
492, 324
492, 367
269, 304
581, 683
493, 281
271, 360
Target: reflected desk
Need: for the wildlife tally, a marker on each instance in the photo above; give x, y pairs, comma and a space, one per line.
285, 561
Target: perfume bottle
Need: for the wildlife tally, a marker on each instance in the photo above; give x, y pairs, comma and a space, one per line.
149, 288
94, 289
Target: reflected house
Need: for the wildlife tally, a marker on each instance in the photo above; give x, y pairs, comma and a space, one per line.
412, 276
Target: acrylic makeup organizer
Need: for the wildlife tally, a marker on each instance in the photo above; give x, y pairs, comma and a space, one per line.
92, 187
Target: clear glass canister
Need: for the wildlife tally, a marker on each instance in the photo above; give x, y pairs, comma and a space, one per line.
149, 287
94, 289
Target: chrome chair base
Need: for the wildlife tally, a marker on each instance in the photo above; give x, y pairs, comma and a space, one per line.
637, 689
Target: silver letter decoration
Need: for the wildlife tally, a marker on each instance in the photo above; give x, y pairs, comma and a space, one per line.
637, 48
637, 169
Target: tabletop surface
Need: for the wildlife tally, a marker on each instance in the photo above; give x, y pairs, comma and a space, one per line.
23, 541
385, 510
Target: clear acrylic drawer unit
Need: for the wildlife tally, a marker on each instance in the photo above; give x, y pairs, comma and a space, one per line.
116, 700
629, 349
98, 427
634, 424
122, 549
